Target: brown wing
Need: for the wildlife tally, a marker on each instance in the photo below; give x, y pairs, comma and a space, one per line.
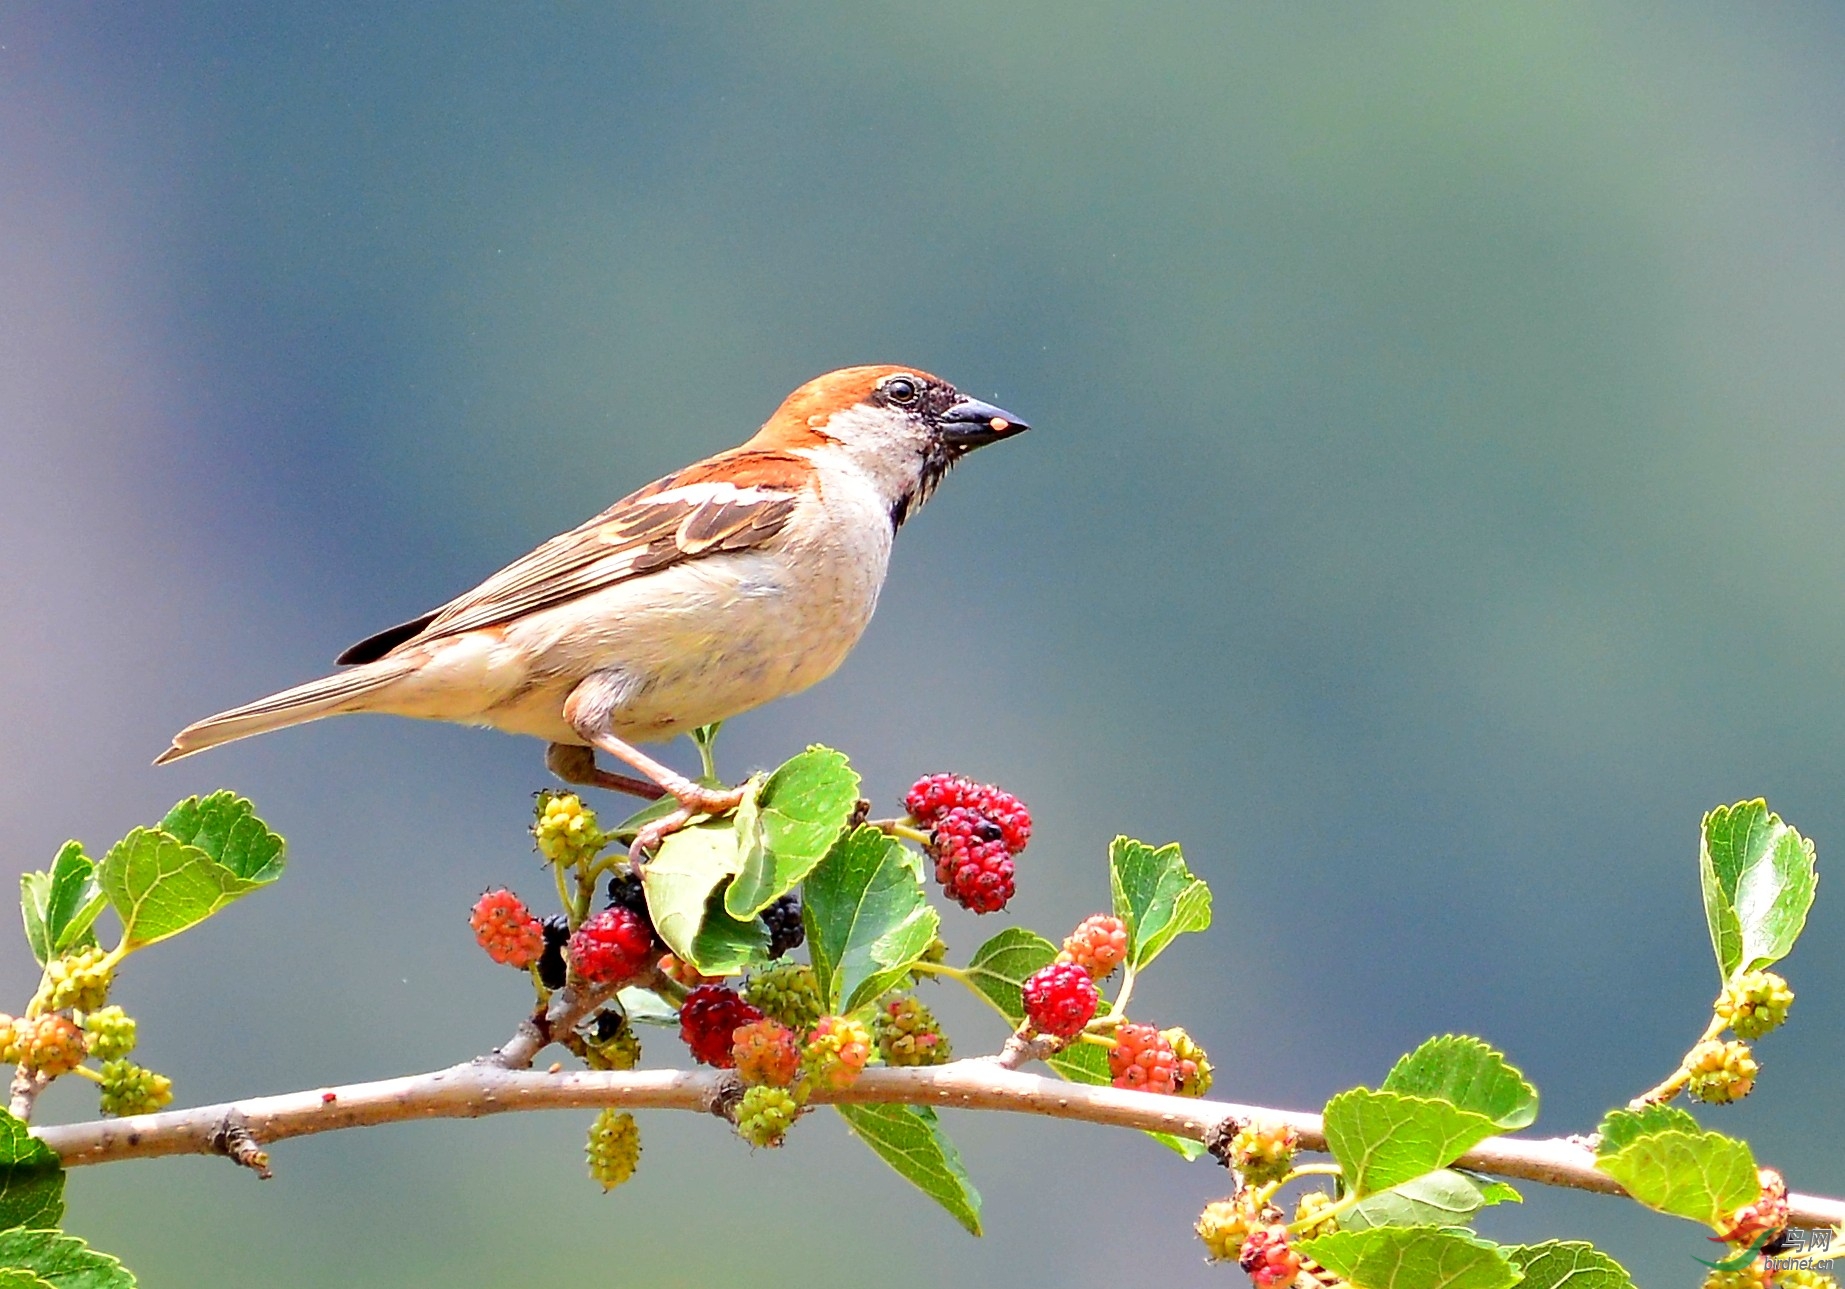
729, 503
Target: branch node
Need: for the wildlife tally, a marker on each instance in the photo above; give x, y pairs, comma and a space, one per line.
1026, 1046
1217, 1137
725, 1096
233, 1139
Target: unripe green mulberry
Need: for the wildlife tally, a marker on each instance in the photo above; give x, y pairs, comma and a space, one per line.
1755, 1003
128, 1089
614, 1150
13, 1030
1753, 1276
908, 1034
612, 1044
1263, 1152
765, 1114
1805, 1278
79, 981
787, 992
1226, 1223
53, 1046
1721, 1071
565, 829
1194, 1065
836, 1051
111, 1031
1307, 1215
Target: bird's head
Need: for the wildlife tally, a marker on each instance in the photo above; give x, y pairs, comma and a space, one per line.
900, 426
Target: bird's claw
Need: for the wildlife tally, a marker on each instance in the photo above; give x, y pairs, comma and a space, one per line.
692, 804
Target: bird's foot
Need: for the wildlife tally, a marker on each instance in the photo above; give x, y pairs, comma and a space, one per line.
694, 800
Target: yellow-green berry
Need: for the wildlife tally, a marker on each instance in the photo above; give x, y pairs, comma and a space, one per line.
836, 1052
1721, 1071
908, 1034
614, 1149
13, 1030
79, 981
1263, 1152
565, 829
1754, 1003
111, 1031
1307, 1214
765, 1114
54, 1046
1194, 1065
787, 992
128, 1089
1226, 1223
1805, 1278
611, 1044
1753, 1276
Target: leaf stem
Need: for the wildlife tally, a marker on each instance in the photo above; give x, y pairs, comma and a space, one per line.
1674, 1083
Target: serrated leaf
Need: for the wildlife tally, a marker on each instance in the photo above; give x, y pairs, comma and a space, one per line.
61, 1260
1700, 1175
1567, 1264
1758, 877
61, 904
1445, 1197
160, 886
868, 918
683, 877
1383, 1139
999, 968
803, 808
31, 1178
1156, 896
225, 826
1468, 1073
14, 1278
910, 1139
1622, 1126
1412, 1257
725, 946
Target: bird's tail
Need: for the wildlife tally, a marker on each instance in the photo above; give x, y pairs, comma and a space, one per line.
346, 691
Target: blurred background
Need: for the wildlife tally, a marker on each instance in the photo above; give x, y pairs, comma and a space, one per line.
1432, 510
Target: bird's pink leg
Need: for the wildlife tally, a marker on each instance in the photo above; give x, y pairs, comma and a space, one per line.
576, 765
589, 710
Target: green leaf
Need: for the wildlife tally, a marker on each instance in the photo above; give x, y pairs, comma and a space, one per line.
61, 1260
160, 886
1445, 1197
1000, 967
224, 826
1567, 1264
1383, 1139
61, 904
1623, 1126
803, 808
14, 1278
1495, 1191
1467, 1073
31, 1178
868, 918
1156, 896
1412, 1257
1758, 877
910, 1139
681, 882
1700, 1175
725, 946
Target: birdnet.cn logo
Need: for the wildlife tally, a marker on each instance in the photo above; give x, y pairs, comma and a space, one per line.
1796, 1250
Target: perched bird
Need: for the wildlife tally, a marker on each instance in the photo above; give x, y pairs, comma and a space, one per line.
745, 577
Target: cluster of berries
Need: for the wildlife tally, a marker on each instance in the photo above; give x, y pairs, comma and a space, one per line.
976, 831
1247, 1228
75, 1025
775, 1035
1750, 1006
1061, 999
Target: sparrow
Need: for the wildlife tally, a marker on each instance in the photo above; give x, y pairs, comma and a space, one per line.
738, 580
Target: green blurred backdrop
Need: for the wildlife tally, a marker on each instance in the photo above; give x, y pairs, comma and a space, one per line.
1432, 510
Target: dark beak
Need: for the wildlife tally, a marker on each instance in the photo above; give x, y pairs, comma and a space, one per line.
971, 423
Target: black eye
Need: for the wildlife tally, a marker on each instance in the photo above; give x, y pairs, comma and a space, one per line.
900, 390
